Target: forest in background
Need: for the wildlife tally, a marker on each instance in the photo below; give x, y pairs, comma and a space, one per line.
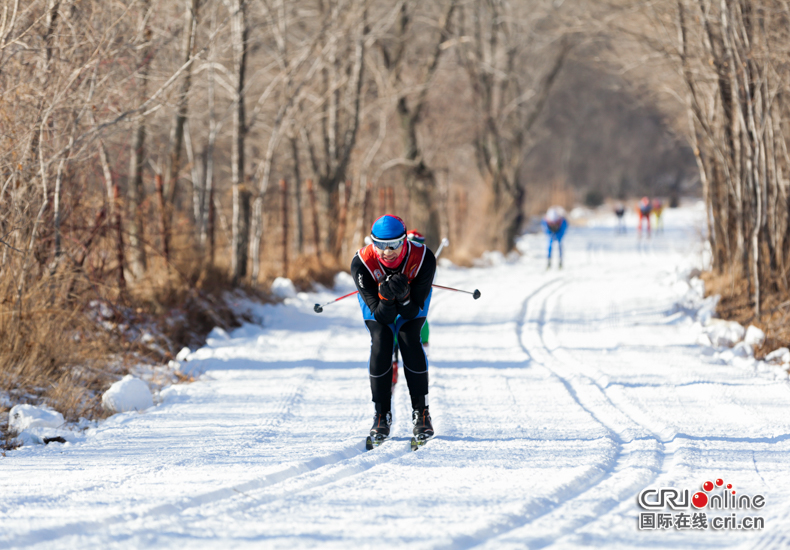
154, 153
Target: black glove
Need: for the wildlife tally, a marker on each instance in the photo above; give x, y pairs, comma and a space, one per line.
386, 294
399, 285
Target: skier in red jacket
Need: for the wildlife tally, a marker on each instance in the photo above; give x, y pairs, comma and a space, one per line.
393, 276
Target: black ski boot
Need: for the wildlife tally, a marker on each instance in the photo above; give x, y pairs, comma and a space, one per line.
380, 430
423, 428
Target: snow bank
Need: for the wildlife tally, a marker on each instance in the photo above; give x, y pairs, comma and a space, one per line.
128, 394
217, 334
183, 354
743, 349
691, 290
283, 288
23, 417
754, 336
781, 355
725, 333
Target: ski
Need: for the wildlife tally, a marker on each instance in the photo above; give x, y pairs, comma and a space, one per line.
371, 442
419, 441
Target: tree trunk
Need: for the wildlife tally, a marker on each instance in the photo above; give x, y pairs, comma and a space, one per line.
299, 200
136, 191
177, 133
241, 197
241, 233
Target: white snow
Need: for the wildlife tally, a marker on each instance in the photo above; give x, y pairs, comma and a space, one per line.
557, 397
183, 355
283, 288
754, 336
127, 394
23, 417
725, 333
781, 355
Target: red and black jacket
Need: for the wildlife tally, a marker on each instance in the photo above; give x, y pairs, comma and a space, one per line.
419, 266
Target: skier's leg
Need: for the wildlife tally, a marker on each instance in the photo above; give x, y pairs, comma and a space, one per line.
425, 334
551, 240
415, 363
381, 342
559, 249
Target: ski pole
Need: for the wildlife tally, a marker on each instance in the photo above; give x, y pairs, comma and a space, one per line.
475, 294
318, 308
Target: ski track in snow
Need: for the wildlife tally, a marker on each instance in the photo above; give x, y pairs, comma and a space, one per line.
557, 397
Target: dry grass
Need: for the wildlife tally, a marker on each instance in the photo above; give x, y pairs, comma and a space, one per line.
67, 336
736, 305
50, 350
306, 270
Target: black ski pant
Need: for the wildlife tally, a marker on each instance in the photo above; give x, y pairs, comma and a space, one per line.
415, 364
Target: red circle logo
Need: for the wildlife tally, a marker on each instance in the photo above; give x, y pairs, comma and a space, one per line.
699, 500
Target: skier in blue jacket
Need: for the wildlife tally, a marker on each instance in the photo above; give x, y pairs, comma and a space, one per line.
555, 224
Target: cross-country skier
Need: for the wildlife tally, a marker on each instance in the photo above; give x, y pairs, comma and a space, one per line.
554, 224
619, 211
644, 214
658, 209
394, 277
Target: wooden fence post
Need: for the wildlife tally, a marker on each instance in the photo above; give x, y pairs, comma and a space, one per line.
210, 226
163, 219
314, 214
344, 194
241, 233
284, 192
116, 193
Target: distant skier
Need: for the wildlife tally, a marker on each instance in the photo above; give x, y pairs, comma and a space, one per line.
658, 209
554, 224
619, 211
393, 276
644, 215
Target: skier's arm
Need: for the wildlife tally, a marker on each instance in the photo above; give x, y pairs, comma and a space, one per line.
420, 287
368, 288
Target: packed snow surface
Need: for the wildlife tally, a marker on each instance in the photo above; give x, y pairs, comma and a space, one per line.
557, 398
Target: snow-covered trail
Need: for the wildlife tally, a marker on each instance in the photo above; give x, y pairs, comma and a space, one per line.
557, 397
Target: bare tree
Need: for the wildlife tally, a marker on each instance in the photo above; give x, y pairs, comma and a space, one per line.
339, 107
180, 117
136, 190
239, 33
495, 40
420, 178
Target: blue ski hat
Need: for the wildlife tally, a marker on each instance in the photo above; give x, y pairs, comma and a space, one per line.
388, 227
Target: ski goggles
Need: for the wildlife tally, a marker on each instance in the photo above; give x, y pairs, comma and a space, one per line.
394, 244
